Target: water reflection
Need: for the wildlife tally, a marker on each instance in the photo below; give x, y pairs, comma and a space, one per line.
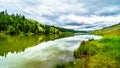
45, 54
20, 43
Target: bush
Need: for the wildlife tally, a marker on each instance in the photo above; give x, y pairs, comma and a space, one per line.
86, 49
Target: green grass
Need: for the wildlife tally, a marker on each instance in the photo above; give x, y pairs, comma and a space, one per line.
103, 53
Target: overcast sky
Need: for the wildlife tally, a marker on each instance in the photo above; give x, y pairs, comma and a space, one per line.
74, 14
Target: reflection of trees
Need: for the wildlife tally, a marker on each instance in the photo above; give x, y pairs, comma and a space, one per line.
20, 43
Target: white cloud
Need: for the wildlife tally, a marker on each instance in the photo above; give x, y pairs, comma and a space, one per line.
110, 9
95, 21
66, 12
90, 19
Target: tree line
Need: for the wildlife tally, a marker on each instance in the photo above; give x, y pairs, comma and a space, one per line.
18, 24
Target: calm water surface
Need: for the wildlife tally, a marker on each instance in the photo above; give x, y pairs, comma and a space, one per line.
37, 52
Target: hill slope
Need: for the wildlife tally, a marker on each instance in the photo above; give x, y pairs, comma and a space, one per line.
18, 24
112, 30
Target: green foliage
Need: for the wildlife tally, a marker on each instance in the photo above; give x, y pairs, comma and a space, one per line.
65, 65
86, 49
17, 24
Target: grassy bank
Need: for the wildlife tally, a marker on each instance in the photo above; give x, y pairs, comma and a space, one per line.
103, 53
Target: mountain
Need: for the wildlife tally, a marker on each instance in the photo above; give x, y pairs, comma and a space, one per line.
18, 24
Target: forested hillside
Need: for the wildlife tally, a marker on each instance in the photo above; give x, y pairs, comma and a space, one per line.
18, 24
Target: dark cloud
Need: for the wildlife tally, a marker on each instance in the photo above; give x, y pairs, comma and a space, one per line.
74, 24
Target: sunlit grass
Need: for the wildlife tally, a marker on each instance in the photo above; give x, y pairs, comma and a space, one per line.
103, 53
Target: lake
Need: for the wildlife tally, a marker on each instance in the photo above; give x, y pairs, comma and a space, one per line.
38, 51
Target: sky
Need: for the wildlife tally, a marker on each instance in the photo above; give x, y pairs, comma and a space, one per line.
72, 14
